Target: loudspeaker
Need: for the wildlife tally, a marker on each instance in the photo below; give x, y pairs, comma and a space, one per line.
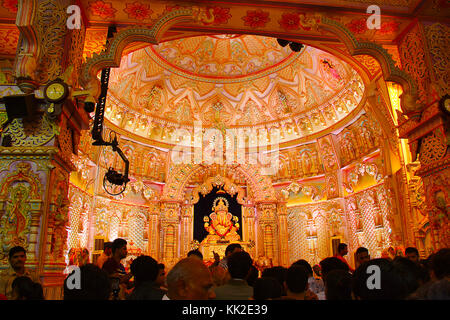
20, 106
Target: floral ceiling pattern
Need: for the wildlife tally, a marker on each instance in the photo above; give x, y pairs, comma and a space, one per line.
231, 82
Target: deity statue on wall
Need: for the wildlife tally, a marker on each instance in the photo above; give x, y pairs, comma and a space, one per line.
367, 137
221, 224
16, 220
348, 149
307, 163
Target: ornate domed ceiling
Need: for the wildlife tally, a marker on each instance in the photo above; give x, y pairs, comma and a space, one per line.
230, 82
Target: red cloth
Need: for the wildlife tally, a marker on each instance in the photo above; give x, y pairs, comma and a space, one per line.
345, 261
3, 297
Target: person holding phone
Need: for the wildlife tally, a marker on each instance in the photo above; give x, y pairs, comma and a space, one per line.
116, 270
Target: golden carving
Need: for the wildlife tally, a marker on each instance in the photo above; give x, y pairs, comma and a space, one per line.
438, 37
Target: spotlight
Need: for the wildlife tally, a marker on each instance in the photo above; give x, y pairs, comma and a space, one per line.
282, 42
296, 47
116, 178
89, 107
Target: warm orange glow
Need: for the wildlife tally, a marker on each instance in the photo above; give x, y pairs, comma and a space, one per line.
395, 90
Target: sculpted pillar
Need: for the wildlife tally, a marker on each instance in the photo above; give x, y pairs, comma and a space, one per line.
170, 233
36, 151
424, 56
268, 228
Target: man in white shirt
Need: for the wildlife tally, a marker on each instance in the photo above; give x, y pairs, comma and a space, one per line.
17, 259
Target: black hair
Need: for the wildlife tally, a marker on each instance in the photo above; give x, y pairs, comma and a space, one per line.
27, 289
305, 264
338, 285
278, 273
107, 245
332, 263
230, 248
144, 268
361, 250
239, 264
195, 252
341, 246
392, 285
410, 272
252, 276
95, 285
440, 263
411, 250
118, 243
267, 288
297, 279
161, 266
16, 249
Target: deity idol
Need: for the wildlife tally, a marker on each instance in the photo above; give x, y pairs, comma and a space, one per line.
221, 224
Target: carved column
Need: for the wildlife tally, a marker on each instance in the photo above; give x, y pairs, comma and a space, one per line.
425, 57
170, 232
186, 232
283, 234
268, 227
419, 211
45, 142
248, 228
153, 231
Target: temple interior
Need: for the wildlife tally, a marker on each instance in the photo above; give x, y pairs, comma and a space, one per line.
288, 128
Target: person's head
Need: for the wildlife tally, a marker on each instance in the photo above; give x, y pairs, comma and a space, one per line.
190, 279
304, 264
317, 270
385, 281
107, 248
412, 254
17, 257
23, 288
362, 255
296, 280
94, 284
338, 285
439, 290
252, 276
440, 264
332, 263
232, 248
119, 248
161, 278
410, 273
342, 249
85, 252
144, 269
239, 264
278, 273
196, 254
266, 289
220, 276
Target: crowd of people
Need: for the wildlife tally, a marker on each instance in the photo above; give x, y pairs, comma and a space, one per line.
235, 277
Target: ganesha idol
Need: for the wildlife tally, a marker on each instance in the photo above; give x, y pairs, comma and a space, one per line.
221, 225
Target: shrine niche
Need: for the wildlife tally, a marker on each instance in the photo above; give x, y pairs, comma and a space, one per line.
345, 108
221, 223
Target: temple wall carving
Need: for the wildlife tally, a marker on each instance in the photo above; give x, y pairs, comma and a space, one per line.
345, 169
